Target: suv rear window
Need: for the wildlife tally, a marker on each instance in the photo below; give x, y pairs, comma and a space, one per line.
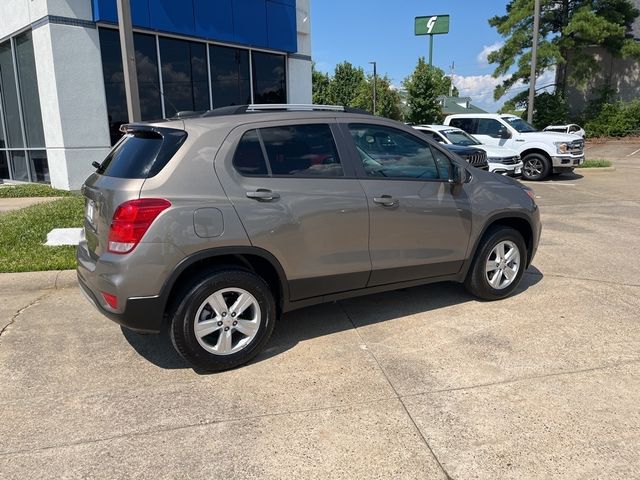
141, 154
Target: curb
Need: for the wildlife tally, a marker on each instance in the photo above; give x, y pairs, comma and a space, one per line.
595, 170
33, 281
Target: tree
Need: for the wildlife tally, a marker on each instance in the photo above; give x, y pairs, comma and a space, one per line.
567, 28
387, 98
320, 83
424, 86
345, 84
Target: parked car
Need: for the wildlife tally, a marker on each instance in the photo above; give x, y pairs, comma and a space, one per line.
542, 153
475, 156
221, 222
570, 128
500, 159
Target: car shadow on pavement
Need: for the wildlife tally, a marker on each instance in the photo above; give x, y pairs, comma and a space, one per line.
330, 318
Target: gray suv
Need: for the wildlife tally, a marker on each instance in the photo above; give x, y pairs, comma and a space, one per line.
220, 222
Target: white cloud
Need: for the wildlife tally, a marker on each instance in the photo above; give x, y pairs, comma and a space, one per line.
486, 50
480, 88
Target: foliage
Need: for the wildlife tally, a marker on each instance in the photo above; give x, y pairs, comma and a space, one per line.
387, 98
320, 86
615, 119
349, 87
423, 87
550, 109
31, 190
595, 163
567, 27
23, 232
345, 84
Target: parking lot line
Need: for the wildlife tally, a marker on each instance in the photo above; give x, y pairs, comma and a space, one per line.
633, 153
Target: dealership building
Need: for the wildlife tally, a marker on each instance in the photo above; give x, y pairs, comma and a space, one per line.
62, 95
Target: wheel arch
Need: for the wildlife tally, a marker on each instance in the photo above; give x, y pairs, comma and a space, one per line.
253, 259
518, 221
536, 150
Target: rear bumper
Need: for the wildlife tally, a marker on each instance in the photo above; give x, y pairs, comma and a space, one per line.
142, 314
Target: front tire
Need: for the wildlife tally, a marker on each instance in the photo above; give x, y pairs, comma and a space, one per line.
535, 167
223, 320
499, 264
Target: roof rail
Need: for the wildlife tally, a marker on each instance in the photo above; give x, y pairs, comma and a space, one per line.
295, 106
277, 107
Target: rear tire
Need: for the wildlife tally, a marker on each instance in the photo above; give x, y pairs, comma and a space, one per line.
535, 167
499, 264
223, 320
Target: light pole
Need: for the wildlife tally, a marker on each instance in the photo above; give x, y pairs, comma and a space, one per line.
534, 60
128, 60
375, 85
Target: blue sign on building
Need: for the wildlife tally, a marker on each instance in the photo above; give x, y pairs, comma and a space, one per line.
269, 24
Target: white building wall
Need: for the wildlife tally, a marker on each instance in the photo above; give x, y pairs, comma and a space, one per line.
299, 64
72, 100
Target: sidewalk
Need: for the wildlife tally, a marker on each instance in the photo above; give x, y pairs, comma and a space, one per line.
9, 204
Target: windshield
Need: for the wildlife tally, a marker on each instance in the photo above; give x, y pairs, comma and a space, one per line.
460, 137
519, 124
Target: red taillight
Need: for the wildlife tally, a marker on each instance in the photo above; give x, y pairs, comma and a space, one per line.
131, 221
111, 300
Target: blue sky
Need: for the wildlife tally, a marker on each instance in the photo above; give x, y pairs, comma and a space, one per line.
361, 31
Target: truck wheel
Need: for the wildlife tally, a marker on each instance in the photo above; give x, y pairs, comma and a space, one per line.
499, 264
536, 167
223, 320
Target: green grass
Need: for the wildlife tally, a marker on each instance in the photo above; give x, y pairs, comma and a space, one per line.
23, 232
595, 163
31, 190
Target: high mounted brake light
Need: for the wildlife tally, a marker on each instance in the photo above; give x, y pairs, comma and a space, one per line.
131, 221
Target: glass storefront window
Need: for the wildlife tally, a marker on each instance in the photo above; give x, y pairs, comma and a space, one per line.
20, 114
184, 76
9, 97
39, 166
230, 78
269, 78
28, 82
4, 165
19, 166
148, 82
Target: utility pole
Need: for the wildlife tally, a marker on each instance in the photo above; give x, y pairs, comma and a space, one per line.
453, 71
375, 85
129, 60
534, 60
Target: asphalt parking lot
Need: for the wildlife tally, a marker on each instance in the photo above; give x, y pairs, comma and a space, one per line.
419, 383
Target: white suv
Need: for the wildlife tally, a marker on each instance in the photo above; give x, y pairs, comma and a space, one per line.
542, 153
501, 160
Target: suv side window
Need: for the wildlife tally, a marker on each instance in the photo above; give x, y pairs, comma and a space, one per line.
302, 150
466, 124
489, 126
387, 152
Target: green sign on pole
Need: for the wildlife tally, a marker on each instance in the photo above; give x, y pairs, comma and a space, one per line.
433, 25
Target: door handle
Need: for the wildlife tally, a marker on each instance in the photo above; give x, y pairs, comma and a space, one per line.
263, 194
386, 200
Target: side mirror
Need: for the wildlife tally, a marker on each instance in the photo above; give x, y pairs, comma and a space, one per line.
456, 175
504, 133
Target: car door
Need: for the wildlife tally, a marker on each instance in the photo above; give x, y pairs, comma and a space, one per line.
299, 200
488, 131
419, 224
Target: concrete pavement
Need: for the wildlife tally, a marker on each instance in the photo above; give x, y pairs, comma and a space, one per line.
419, 383
9, 204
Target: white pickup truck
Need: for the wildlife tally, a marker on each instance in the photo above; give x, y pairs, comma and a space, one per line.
542, 153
